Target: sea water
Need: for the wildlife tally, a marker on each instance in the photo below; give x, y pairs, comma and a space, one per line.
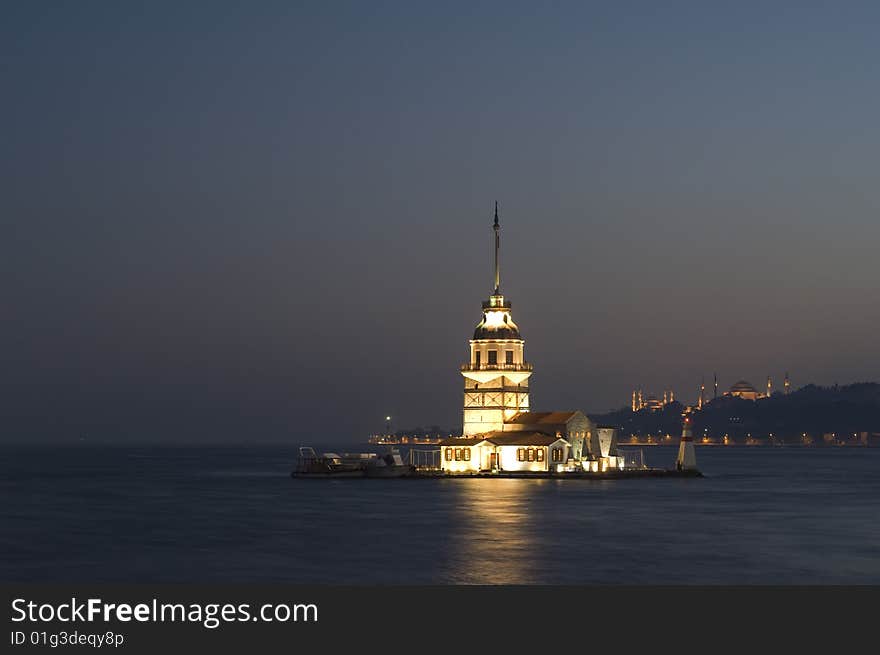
233, 514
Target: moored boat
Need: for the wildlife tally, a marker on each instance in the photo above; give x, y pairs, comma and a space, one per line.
328, 465
389, 465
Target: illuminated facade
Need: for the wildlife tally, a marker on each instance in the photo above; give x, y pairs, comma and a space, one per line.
605, 441
499, 432
574, 427
496, 379
535, 452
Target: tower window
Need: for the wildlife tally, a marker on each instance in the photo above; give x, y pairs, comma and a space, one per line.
493, 357
477, 357
508, 357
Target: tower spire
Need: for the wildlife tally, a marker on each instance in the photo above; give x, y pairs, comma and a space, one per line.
497, 229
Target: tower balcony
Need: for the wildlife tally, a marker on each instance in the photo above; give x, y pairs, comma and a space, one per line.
525, 366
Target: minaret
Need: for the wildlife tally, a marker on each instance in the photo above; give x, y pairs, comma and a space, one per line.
769, 386
671, 396
702, 399
496, 379
715, 393
641, 400
787, 384
634, 401
687, 459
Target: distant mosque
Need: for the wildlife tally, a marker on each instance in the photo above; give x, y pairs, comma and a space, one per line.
500, 432
651, 403
740, 389
744, 390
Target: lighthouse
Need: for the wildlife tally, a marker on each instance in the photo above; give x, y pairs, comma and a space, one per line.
687, 460
496, 379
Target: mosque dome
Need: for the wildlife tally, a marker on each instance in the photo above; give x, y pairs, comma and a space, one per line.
742, 387
744, 390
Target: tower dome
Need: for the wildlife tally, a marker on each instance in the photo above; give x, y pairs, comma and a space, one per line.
496, 322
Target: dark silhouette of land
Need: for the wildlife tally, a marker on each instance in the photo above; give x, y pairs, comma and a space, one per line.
812, 415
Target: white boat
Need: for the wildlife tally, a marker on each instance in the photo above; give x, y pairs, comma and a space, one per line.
389, 465
329, 465
350, 465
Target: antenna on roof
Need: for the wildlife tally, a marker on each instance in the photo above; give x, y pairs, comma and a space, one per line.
497, 229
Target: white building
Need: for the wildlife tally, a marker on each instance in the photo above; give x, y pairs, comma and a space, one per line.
574, 427
499, 433
504, 451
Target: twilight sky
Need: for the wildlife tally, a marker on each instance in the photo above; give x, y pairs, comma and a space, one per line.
271, 221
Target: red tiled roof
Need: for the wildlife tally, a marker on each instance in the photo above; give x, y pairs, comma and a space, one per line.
462, 441
521, 438
535, 418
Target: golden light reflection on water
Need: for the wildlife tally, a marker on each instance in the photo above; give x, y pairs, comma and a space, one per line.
496, 541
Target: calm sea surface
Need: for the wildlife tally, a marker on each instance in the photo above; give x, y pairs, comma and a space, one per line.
233, 514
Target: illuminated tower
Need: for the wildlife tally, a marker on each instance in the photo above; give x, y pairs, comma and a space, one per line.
769, 386
634, 401
787, 384
687, 459
701, 401
496, 379
715, 393
641, 400
671, 396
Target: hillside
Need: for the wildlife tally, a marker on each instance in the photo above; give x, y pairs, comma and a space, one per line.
804, 416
